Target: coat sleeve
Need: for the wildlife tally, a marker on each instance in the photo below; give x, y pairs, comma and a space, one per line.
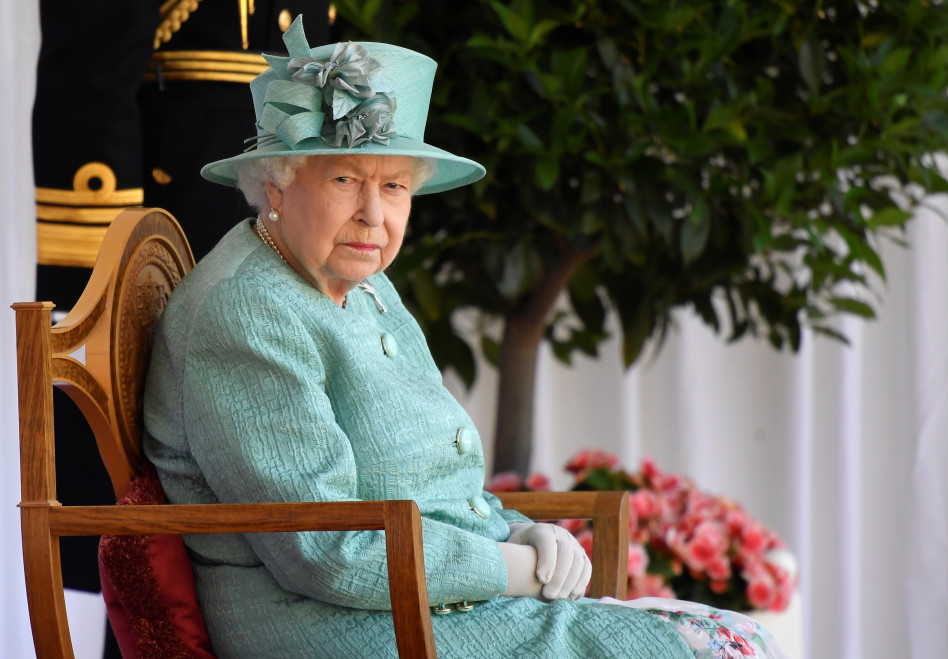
262, 429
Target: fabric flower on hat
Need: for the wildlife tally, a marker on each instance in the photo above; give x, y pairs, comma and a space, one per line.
371, 120
349, 77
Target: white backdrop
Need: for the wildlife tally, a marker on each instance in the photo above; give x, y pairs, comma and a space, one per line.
839, 449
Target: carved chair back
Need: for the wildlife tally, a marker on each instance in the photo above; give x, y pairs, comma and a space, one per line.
98, 354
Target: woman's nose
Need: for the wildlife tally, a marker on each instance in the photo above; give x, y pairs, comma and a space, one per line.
370, 210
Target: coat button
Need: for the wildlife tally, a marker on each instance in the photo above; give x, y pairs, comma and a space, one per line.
389, 346
480, 506
464, 440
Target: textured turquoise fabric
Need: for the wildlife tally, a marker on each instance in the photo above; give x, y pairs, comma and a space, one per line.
262, 389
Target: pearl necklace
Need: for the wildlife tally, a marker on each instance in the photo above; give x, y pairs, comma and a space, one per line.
261, 231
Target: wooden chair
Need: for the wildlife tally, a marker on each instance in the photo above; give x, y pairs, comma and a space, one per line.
99, 355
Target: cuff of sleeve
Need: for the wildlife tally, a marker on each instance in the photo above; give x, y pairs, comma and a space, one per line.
473, 569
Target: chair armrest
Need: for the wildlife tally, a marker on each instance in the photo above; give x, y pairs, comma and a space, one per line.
609, 512
400, 520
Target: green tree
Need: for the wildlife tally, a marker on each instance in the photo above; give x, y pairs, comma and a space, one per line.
732, 157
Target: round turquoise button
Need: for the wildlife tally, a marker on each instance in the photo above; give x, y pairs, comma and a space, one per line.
480, 506
464, 440
389, 346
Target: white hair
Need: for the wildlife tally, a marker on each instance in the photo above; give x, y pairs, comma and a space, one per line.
254, 174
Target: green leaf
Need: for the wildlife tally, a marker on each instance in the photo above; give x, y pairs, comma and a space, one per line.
695, 233
634, 335
546, 172
812, 63
895, 62
540, 31
888, 217
490, 349
427, 293
830, 332
724, 118
514, 24
527, 137
855, 307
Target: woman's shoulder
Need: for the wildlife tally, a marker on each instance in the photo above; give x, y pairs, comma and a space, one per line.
239, 270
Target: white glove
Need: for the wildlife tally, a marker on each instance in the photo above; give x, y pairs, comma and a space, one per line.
562, 565
521, 563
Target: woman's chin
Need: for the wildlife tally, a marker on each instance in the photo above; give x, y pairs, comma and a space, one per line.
350, 276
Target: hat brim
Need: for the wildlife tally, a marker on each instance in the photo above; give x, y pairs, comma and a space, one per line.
453, 171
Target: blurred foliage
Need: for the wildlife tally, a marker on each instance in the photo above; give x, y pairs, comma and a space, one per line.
713, 154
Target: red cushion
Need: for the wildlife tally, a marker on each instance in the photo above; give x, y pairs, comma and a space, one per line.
148, 586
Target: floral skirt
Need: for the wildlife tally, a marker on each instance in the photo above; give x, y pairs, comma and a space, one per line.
710, 633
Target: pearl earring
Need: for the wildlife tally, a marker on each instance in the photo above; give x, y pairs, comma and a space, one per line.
274, 215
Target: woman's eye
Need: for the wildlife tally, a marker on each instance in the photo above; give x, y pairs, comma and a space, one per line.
342, 179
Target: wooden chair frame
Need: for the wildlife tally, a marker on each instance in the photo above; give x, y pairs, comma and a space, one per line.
98, 355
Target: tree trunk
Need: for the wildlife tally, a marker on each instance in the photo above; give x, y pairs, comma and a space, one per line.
513, 436
523, 331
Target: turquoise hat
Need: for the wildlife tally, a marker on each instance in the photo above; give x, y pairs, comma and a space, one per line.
346, 98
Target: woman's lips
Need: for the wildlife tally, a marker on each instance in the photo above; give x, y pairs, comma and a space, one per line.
363, 247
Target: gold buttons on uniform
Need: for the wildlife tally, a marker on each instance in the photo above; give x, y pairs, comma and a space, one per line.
284, 20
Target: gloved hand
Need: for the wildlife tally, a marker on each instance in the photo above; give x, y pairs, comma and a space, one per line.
521, 563
562, 565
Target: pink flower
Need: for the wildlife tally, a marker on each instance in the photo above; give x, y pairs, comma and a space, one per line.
761, 592
669, 483
655, 586
650, 469
753, 537
638, 560
679, 533
718, 587
505, 481
591, 459
736, 520
719, 568
781, 599
707, 544
645, 503
574, 526
585, 540
752, 566
538, 483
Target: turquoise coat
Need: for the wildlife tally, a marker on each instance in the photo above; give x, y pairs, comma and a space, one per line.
263, 389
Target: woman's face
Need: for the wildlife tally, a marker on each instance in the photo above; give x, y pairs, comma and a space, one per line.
342, 218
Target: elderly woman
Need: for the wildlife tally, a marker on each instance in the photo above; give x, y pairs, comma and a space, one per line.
287, 369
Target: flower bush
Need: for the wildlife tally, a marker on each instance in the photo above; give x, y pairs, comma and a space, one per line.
684, 543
